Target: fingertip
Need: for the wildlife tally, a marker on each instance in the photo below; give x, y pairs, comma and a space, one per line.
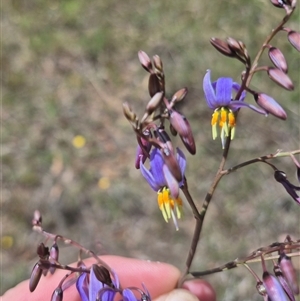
201, 288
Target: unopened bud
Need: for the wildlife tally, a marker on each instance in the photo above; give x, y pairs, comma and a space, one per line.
289, 272
278, 59
270, 105
239, 48
179, 123
57, 294
189, 143
279, 275
35, 277
158, 64
128, 113
278, 3
153, 85
179, 95
294, 39
280, 78
37, 218
53, 258
273, 288
102, 274
42, 251
222, 47
154, 102
145, 61
171, 162
140, 155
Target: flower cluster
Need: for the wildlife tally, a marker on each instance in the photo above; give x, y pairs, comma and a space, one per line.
99, 285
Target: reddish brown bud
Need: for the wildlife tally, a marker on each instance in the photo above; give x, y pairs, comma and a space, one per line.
35, 277
289, 272
153, 85
270, 105
278, 59
42, 251
222, 47
145, 61
189, 143
280, 78
240, 50
294, 39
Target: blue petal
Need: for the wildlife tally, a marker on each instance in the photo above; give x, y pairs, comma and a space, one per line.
95, 286
128, 295
209, 91
81, 286
182, 163
237, 87
156, 164
149, 177
236, 104
224, 91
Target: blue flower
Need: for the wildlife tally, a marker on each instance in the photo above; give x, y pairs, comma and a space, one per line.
89, 287
161, 180
219, 98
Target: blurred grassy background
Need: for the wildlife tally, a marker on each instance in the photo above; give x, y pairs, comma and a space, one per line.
67, 68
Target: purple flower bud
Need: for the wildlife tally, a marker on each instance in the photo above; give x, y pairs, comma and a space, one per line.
145, 61
57, 294
274, 290
270, 105
289, 272
278, 59
280, 78
189, 143
35, 277
294, 39
54, 254
179, 123
278, 3
283, 282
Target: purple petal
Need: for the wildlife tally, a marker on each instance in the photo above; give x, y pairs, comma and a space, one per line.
223, 91
209, 91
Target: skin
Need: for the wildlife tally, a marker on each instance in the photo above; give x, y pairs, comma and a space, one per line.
159, 278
